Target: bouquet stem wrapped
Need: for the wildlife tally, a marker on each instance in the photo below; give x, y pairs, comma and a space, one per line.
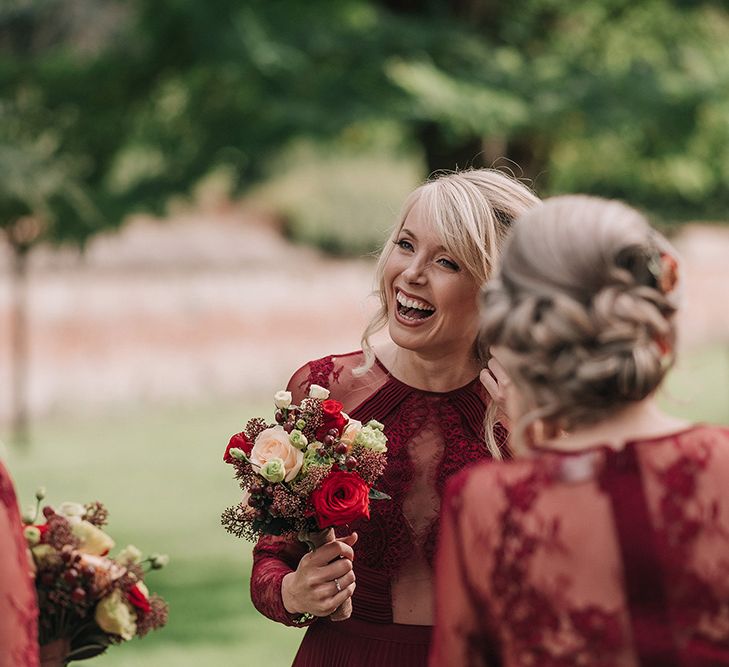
314, 540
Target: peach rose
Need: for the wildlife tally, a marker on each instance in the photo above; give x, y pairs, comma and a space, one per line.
350, 433
273, 443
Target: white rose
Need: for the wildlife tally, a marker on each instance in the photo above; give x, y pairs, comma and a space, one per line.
350, 432
115, 616
282, 399
315, 391
72, 512
129, 555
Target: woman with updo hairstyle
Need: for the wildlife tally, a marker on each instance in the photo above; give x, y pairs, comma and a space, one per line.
605, 541
422, 383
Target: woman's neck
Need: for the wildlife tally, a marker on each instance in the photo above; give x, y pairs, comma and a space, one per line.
439, 373
641, 420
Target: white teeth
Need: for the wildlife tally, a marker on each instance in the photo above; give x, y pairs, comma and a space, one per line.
412, 303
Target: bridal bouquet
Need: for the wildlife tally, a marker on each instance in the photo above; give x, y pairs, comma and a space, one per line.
311, 471
314, 469
87, 599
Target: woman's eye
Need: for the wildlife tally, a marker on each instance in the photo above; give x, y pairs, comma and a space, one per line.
449, 264
404, 244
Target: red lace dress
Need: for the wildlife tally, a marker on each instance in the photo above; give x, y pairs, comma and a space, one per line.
18, 608
596, 559
395, 550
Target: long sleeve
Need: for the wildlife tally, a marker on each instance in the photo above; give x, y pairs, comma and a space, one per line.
273, 559
18, 608
456, 617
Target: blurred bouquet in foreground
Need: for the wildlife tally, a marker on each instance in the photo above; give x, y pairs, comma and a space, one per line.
87, 599
311, 471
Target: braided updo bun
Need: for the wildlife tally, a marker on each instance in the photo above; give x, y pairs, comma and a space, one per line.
582, 309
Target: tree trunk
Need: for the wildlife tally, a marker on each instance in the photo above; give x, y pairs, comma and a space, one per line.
523, 156
20, 425
441, 152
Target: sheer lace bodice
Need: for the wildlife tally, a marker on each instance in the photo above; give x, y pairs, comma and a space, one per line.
431, 436
597, 559
18, 609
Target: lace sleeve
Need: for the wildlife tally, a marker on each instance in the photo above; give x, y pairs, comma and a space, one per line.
273, 559
456, 616
325, 372
18, 611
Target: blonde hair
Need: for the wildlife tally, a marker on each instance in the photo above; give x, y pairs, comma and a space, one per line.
472, 212
580, 307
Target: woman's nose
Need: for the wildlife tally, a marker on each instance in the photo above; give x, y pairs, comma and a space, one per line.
415, 272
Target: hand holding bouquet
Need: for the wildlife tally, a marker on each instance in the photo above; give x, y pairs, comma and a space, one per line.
311, 471
87, 599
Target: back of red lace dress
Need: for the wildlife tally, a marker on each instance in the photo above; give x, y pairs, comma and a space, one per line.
431, 436
598, 559
18, 609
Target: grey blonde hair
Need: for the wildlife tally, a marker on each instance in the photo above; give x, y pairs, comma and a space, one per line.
579, 307
471, 211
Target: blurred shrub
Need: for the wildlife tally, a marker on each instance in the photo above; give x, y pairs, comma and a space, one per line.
338, 198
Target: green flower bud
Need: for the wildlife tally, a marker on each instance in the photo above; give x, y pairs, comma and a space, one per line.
273, 470
158, 561
129, 555
32, 535
40, 493
300, 424
298, 439
237, 453
373, 423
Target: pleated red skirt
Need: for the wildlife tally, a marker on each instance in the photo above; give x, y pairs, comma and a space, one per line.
356, 643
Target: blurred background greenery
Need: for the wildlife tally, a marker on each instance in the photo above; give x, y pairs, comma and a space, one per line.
325, 114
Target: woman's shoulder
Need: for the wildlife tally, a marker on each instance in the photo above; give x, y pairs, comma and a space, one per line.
695, 438
328, 372
489, 478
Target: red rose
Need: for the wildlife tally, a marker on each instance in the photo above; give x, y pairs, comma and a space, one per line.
240, 441
343, 497
331, 418
138, 599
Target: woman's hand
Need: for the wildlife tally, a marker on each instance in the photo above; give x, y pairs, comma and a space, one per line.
312, 587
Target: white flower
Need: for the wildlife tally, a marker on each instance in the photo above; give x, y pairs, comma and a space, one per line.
129, 555
158, 561
315, 391
72, 512
282, 399
115, 616
351, 431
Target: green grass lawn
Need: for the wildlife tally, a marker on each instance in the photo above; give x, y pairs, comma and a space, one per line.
159, 471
